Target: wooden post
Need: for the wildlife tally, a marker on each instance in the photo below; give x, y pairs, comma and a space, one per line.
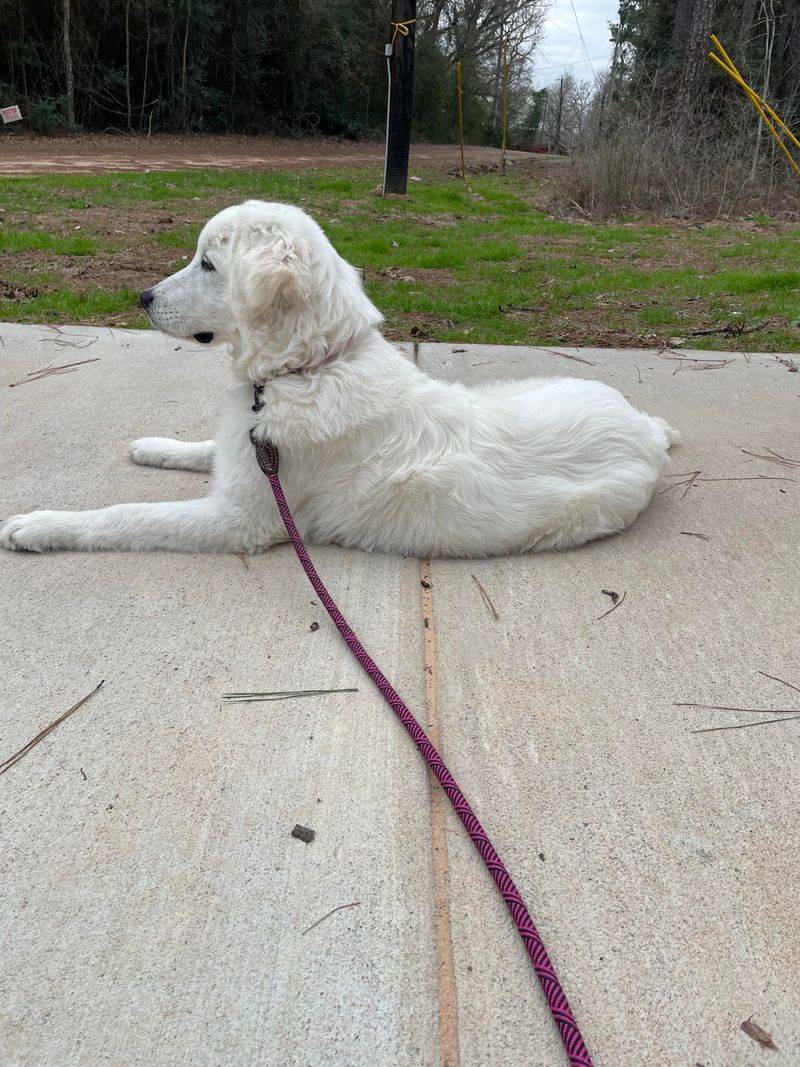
460, 93
401, 72
505, 105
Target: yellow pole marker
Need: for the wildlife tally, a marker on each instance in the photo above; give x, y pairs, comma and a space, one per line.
761, 106
756, 101
734, 73
459, 94
733, 70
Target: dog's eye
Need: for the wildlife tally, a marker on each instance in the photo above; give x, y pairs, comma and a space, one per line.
206, 264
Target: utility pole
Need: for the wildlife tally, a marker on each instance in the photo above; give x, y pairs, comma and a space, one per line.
400, 60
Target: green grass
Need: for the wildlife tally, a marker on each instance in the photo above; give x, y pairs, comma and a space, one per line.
491, 266
42, 241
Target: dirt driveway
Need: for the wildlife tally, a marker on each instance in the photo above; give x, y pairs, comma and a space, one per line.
22, 153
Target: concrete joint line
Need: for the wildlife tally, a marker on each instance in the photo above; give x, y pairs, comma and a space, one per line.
447, 990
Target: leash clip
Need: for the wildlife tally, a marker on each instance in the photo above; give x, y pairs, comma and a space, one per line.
266, 453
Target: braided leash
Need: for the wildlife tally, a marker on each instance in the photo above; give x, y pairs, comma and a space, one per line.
574, 1045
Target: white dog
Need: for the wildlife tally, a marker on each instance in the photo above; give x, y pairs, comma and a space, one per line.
373, 453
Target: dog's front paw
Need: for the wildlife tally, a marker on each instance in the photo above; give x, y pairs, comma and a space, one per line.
34, 532
151, 451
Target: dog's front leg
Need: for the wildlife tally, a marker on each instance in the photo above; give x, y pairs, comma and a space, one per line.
212, 524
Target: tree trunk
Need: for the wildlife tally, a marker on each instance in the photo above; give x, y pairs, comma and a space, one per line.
184, 99
788, 78
68, 76
694, 66
128, 64
682, 25
146, 64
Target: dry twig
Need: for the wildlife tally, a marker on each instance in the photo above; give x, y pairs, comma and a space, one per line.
773, 457
787, 714
569, 355
695, 479
48, 729
743, 725
64, 368
486, 598
774, 678
289, 694
700, 365
732, 329
615, 603
327, 915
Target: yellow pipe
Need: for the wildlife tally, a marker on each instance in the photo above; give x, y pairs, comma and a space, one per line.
761, 106
734, 73
734, 69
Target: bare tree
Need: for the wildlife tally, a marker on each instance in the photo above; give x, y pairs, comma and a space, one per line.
68, 75
768, 10
184, 95
146, 64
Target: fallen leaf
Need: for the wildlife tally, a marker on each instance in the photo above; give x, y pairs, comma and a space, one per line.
307, 835
759, 1034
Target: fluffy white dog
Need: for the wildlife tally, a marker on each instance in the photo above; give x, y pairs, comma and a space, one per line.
373, 453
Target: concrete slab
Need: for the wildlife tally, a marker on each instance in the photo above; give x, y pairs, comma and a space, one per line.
661, 864
155, 901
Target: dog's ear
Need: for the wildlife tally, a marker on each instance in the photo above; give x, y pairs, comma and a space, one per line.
271, 269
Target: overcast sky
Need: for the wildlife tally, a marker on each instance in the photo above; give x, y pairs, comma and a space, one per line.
562, 50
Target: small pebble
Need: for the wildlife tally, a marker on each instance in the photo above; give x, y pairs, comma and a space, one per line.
303, 833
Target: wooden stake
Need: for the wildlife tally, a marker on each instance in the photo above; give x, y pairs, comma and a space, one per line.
460, 94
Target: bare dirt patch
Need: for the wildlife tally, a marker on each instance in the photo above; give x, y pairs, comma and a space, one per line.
418, 325
24, 153
108, 270
424, 275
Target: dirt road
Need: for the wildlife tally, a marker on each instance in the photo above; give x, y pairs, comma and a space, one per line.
22, 153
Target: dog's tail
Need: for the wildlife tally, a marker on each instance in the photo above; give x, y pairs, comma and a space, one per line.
673, 436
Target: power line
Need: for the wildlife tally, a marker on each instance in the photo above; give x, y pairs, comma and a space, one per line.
561, 66
580, 34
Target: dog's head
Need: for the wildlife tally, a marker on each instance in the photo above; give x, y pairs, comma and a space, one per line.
266, 280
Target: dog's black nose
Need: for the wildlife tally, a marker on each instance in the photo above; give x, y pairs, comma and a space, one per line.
146, 298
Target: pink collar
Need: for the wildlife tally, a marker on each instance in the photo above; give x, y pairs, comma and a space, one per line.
330, 355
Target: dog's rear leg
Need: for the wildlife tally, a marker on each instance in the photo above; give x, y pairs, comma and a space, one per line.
178, 455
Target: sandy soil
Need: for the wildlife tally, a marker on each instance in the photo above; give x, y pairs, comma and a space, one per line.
24, 153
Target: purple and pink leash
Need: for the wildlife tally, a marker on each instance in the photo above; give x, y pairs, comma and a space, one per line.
574, 1045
